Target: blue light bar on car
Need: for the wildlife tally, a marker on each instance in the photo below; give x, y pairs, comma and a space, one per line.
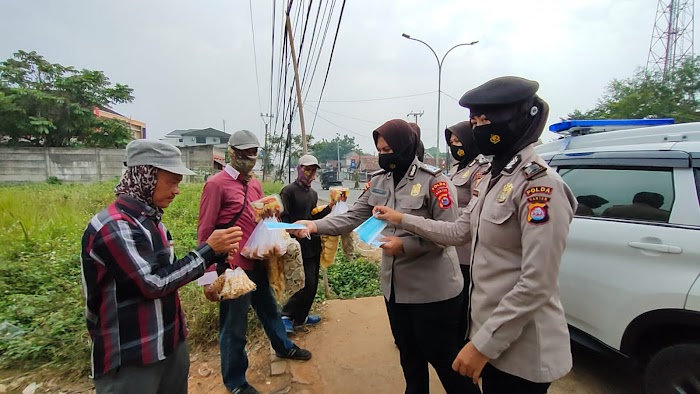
602, 123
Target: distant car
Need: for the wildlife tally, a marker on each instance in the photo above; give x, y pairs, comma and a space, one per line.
630, 275
329, 179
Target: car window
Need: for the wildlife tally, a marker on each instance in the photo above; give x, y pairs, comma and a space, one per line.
640, 194
696, 171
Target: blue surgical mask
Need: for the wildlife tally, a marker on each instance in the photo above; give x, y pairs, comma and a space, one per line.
370, 230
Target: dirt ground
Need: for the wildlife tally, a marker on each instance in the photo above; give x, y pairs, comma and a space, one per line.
353, 352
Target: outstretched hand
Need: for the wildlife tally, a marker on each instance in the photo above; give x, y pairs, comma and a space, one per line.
305, 233
390, 215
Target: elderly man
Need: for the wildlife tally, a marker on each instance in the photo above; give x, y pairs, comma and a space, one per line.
131, 276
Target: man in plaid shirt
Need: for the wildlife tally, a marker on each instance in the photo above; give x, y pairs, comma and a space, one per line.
131, 276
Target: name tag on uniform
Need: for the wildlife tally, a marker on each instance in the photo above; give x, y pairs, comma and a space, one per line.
379, 191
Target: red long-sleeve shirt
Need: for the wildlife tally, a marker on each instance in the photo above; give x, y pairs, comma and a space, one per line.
222, 199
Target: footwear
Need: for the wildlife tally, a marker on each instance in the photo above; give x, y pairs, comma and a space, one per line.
245, 389
296, 353
288, 325
312, 319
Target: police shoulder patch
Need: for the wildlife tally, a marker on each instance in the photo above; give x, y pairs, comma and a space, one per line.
378, 172
534, 170
431, 169
441, 191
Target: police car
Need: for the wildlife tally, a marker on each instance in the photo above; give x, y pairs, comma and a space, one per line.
630, 273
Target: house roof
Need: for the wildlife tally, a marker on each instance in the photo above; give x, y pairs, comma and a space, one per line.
111, 111
208, 132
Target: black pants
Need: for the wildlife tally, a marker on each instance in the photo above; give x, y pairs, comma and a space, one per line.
464, 314
299, 304
429, 333
496, 381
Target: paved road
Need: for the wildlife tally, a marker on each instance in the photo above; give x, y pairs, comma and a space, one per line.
324, 194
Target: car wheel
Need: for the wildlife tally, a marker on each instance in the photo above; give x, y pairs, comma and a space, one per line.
674, 369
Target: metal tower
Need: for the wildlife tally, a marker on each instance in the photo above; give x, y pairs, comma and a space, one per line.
672, 38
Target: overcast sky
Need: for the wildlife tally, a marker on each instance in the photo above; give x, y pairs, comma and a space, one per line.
191, 64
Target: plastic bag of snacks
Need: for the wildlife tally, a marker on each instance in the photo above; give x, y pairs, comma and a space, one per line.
329, 248
286, 273
267, 206
232, 284
339, 193
265, 243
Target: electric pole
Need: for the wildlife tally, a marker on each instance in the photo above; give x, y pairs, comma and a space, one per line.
267, 118
415, 115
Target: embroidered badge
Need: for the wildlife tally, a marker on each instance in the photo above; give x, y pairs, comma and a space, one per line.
538, 190
442, 193
415, 190
466, 174
537, 213
461, 153
540, 199
477, 178
512, 164
503, 194
495, 138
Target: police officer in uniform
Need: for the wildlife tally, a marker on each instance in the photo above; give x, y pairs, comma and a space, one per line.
421, 280
468, 170
518, 221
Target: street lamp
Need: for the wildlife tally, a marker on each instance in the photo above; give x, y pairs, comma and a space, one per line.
439, 62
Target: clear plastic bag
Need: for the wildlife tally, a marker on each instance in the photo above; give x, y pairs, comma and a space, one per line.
265, 243
339, 193
286, 273
267, 206
232, 284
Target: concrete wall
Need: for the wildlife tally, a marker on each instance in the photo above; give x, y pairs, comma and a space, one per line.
27, 165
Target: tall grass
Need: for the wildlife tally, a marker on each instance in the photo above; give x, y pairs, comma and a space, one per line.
40, 285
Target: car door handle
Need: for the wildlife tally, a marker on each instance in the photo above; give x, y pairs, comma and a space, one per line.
663, 248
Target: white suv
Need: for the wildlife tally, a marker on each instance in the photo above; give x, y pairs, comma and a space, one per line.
629, 275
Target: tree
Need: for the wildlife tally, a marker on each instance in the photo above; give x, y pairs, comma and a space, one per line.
46, 104
649, 95
325, 150
278, 148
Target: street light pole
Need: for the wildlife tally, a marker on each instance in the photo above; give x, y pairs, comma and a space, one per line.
337, 136
439, 62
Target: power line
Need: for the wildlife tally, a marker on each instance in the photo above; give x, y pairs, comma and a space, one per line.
272, 52
348, 116
338, 126
255, 54
327, 16
330, 61
377, 99
311, 44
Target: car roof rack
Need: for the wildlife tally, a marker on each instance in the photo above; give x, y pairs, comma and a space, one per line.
584, 127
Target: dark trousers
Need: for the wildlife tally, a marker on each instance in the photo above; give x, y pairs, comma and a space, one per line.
233, 324
495, 381
429, 333
168, 376
299, 304
464, 314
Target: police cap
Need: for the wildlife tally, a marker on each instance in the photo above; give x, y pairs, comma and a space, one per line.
502, 91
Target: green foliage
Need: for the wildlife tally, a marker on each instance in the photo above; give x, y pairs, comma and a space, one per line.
46, 104
325, 150
353, 279
650, 95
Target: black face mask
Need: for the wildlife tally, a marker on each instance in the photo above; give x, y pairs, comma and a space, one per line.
494, 138
458, 152
394, 161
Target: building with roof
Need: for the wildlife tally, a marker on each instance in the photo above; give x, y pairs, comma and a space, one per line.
138, 128
195, 137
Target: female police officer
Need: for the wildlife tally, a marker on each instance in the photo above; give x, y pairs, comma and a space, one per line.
421, 280
465, 175
517, 221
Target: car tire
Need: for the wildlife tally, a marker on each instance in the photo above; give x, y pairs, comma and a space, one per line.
675, 369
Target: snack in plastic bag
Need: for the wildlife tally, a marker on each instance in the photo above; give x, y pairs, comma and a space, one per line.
339, 193
286, 273
232, 284
329, 248
265, 243
267, 206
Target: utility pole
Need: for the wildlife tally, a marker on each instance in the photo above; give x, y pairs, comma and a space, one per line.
337, 136
267, 154
296, 83
224, 125
415, 115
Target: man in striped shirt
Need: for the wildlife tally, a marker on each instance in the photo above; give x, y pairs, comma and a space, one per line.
131, 276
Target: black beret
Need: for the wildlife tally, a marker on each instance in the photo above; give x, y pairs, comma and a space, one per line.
501, 91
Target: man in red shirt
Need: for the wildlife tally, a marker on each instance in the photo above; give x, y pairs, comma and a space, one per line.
226, 202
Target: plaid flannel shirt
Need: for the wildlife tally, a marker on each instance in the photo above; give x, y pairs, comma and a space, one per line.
130, 280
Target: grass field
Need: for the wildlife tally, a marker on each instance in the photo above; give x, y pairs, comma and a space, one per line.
41, 302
